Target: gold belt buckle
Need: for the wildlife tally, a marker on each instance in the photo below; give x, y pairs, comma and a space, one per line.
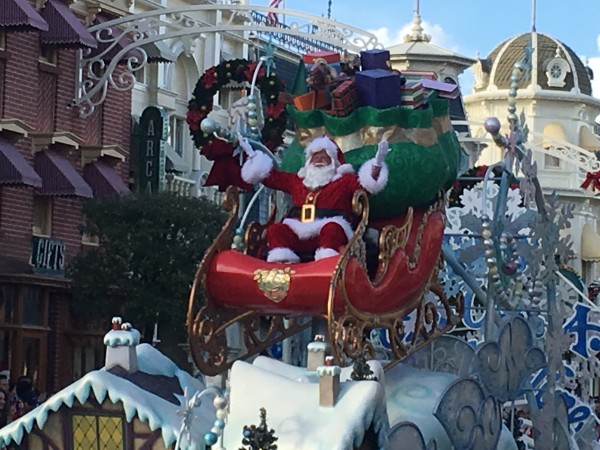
307, 213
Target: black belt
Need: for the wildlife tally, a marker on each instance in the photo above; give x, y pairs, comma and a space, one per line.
320, 213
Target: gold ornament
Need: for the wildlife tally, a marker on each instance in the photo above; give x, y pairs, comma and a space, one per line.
274, 283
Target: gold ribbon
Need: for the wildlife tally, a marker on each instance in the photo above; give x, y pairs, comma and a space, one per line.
372, 135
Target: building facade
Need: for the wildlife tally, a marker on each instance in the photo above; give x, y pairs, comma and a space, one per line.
560, 110
51, 161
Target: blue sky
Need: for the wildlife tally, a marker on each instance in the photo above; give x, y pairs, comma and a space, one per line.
471, 26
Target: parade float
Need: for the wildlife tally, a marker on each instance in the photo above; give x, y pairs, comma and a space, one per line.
358, 290
478, 334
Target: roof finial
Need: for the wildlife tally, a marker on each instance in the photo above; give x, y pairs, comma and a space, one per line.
533, 10
417, 34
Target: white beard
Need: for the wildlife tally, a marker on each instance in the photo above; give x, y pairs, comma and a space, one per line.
315, 177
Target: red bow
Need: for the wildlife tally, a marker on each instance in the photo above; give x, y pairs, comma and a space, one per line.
593, 179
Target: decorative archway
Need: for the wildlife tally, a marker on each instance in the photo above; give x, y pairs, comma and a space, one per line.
96, 71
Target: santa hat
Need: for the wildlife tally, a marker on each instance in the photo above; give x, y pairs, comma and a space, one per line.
332, 150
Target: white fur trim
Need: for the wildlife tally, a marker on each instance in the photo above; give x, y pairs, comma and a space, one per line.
282, 254
366, 179
307, 230
322, 143
257, 168
323, 252
342, 170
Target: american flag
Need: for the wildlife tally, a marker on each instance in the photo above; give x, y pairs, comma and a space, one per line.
272, 17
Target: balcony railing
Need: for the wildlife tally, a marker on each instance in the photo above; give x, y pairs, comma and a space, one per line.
180, 185
292, 43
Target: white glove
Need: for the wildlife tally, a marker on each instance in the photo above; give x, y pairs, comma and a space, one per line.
382, 149
248, 150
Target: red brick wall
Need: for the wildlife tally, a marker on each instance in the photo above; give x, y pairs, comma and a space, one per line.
41, 95
15, 227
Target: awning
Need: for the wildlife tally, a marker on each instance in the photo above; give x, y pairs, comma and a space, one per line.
159, 52
59, 177
553, 132
14, 169
66, 30
589, 140
590, 244
20, 15
174, 161
104, 180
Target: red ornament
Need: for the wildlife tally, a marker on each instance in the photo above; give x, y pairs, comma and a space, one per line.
274, 110
210, 78
116, 323
329, 360
194, 117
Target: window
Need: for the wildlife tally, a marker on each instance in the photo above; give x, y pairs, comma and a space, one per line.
33, 306
140, 74
8, 300
2, 40
177, 134
97, 432
49, 55
42, 215
551, 162
87, 236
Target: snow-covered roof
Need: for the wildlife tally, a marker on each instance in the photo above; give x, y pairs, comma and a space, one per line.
137, 402
292, 403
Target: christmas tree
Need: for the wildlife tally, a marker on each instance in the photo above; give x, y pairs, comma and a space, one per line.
362, 370
259, 438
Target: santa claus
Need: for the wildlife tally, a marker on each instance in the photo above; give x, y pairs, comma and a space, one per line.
321, 192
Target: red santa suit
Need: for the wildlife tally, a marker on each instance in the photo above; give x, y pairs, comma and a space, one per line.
330, 228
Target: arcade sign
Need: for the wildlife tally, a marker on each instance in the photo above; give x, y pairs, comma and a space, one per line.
153, 132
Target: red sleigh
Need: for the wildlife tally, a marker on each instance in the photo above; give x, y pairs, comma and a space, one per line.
272, 301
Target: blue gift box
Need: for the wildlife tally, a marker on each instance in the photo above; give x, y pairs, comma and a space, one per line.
374, 59
378, 88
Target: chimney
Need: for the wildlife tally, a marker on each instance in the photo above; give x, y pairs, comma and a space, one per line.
316, 353
120, 346
329, 383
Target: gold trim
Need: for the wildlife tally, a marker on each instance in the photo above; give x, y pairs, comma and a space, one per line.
371, 135
391, 239
442, 124
274, 283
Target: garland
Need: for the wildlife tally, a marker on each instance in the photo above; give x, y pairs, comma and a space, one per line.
238, 70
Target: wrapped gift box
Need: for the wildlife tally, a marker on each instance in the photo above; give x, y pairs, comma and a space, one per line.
417, 75
375, 59
378, 88
330, 57
444, 90
344, 99
413, 95
312, 100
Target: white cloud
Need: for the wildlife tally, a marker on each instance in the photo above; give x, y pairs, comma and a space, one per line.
439, 37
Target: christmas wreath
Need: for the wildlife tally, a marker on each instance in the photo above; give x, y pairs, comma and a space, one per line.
226, 168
